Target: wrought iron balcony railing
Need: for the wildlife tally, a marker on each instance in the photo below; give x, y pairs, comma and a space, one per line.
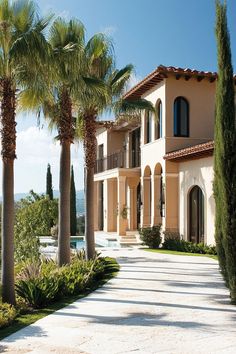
117, 160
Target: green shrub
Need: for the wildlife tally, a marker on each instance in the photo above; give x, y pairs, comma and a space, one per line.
34, 217
151, 236
173, 235
38, 292
42, 283
175, 244
7, 314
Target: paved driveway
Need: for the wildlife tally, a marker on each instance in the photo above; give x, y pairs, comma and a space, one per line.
157, 304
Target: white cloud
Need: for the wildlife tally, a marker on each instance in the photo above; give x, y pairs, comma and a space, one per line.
35, 149
109, 30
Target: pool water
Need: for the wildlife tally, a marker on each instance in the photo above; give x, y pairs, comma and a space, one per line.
77, 242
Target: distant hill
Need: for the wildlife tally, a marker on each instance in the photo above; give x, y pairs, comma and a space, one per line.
80, 205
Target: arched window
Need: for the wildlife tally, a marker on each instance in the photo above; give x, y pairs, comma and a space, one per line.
158, 125
148, 128
196, 215
181, 117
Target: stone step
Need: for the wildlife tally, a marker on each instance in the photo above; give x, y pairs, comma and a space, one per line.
132, 233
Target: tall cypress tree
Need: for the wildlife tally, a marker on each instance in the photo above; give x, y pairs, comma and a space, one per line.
49, 190
73, 221
225, 155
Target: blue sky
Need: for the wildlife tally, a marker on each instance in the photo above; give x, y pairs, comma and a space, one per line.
146, 34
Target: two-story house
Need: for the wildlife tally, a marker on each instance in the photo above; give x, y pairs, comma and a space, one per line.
160, 170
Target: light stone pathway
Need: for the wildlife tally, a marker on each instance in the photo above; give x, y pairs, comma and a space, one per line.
157, 304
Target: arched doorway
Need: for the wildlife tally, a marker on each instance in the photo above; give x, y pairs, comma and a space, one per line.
196, 215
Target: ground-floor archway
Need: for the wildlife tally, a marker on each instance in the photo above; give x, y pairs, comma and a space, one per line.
196, 215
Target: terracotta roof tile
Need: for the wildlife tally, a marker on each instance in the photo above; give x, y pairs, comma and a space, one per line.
162, 72
192, 152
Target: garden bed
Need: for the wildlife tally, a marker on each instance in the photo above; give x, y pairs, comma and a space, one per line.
29, 311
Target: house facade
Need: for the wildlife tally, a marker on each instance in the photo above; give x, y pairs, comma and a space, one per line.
160, 171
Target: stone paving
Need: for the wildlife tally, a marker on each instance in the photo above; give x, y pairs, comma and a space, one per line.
157, 304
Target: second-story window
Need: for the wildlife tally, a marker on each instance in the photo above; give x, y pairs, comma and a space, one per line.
158, 124
148, 137
181, 117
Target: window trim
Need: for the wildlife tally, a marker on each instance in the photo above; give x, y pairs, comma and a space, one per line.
148, 127
158, 124
177, 117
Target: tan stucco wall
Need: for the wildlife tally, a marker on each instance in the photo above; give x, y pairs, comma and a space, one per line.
191, 173
102, 137
201, 98
116, 141
113, 141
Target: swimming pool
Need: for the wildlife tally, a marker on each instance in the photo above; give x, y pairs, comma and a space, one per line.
77, 242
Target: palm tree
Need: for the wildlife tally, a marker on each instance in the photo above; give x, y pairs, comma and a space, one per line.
53, 94
21, 41
109, 86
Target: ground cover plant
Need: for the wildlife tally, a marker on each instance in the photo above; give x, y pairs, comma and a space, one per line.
44, 287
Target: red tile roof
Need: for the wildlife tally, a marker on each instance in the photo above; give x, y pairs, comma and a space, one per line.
192, 152
162, 72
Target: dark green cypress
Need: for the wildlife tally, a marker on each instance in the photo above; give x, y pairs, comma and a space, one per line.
73, 221
224, 155
49, 190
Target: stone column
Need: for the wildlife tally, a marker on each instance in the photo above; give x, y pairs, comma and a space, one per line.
171, 201
100, 198
105, 205
121, 196
96, 205
110, 205
133, 183
156, 217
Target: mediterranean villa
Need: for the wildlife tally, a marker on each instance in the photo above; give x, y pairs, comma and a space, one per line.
160, 170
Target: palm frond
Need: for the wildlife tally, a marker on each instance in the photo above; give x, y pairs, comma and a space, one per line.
133, 107
119, 80
31, 43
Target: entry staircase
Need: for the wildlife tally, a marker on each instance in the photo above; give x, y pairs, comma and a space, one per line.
130, 239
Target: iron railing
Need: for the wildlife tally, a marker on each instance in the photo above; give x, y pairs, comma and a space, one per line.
117, 160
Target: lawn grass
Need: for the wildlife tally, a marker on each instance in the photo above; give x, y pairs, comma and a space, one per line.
181, 253
23, 320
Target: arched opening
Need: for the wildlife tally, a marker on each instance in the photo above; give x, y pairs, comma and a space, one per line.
148, 127
158, 123
139, 204
196, 215
181, 117
147, 197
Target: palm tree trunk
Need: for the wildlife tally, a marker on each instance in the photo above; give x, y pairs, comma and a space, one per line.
8, 138
8, 291
64, 206
90, 159
66, 135
89, 212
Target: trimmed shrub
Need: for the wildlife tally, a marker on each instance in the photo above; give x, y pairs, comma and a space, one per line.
7, 314
173, 235
176, 244
151, 236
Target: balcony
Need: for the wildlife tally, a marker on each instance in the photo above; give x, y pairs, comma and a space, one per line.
117, 160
